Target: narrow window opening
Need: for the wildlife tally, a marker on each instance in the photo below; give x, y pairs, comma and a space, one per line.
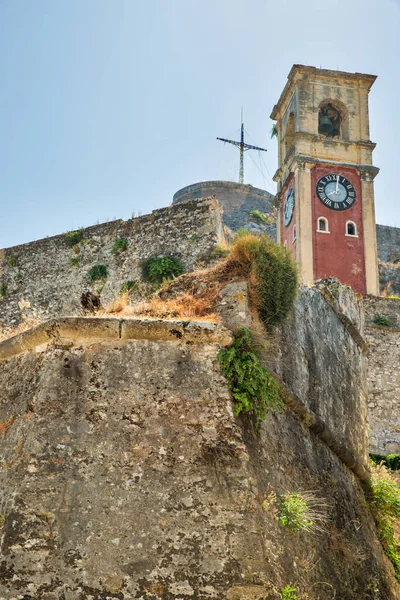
323, 225
351, 228
294, 233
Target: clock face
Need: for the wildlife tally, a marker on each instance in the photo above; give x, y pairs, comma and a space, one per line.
288, 206
336, 192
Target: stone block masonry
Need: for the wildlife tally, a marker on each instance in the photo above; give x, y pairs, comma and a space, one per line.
383, 374
47, 278
125, 475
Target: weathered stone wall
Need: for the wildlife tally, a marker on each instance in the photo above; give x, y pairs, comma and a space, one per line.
383, 375
47, 278
388, 240
124, 474
323, 360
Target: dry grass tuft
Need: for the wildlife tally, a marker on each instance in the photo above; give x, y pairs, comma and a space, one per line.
183, 306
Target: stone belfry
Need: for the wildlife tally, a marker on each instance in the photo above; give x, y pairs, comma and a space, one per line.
325, 176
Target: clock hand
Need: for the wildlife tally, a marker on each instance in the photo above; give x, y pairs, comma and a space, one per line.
337, 184
330, 194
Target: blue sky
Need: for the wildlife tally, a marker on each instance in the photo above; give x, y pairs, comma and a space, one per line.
107, 107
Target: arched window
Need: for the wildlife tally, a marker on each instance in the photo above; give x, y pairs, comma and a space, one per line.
294, 234
323, 226
329, 120
351, 229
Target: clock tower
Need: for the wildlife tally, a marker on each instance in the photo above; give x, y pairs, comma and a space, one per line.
325, 176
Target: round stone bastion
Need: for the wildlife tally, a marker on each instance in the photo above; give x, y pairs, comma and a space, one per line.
236, 199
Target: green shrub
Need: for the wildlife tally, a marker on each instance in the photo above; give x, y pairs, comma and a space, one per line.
120, 245
73, 237
97, 272
12, 261
257, 216
74, 261
272, 276
159, 269
242, 231
391, 461
289, 593
254, 390
3, 290
129, 286
194, 238
383, 321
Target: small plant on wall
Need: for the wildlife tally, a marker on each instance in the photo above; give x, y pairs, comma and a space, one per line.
254, 390
96, 273
3, 290
303, 511
289, 593
383, 321
120, 245
12, 261
73, 237
162, 268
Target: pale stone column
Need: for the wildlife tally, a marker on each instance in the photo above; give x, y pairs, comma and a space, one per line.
304, 226
369, 227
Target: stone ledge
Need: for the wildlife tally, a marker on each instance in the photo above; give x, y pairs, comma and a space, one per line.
100, 329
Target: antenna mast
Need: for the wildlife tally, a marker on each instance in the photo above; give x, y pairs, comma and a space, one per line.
242, 149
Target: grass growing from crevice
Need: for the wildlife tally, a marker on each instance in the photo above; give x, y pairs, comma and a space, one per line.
254, 390
128, 287
3, 290
271, 273
159, 269
96, 273
303, 511
12, 261
383, 321
120, 245
385, 505
390, 461
73, 237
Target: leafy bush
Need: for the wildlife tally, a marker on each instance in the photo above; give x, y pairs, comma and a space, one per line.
3, 290
74, 261
254, 390
97, 272
382, 320
129, 286
73, 237
272, 275
12, 261
159, 269
385, 504
391, 461
120, 245
289, 593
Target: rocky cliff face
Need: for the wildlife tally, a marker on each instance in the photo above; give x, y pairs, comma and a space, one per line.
125, 473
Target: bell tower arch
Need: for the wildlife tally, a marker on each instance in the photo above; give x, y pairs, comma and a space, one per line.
326, 175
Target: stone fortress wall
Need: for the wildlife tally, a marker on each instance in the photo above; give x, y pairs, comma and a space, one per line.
383, 374
47, 278
126, 475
